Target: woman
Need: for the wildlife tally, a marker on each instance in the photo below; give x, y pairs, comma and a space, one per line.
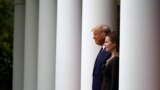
111, 67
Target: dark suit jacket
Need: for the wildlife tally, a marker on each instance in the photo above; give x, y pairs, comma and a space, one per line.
97, 71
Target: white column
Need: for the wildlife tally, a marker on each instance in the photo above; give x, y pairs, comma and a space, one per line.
18, 50
46, 45
68, 56
31, 45
140, 45
95, 12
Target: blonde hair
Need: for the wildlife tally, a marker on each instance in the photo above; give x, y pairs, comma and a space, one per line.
102, 29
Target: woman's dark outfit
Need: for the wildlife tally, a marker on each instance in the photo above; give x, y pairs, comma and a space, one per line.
110, 72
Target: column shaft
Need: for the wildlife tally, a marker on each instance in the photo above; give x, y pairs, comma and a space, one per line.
31, 45
46, 44
18, 50
139, 45
68, 45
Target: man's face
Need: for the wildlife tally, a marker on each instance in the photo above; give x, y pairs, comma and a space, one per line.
98, 37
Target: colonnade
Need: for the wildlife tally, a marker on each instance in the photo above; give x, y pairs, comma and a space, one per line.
54, 47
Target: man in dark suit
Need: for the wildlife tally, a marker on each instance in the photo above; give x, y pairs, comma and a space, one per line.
99, 34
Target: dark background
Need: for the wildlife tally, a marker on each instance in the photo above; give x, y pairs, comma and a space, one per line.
6, 43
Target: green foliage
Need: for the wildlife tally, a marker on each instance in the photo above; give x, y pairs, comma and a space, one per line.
6, 43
